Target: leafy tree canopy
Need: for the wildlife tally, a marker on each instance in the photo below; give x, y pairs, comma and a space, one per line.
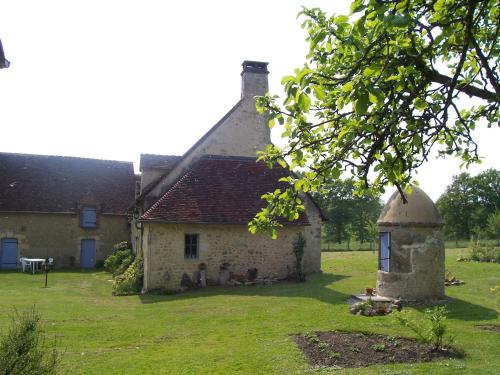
468, 202
343, 210
380, 89
494, 225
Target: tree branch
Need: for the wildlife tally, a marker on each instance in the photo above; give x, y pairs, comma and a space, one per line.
465, 88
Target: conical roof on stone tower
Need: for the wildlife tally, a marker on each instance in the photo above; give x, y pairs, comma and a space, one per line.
418, 211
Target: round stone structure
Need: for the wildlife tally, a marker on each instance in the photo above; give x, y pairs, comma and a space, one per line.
411, 249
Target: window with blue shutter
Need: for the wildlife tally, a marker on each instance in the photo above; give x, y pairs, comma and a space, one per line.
89, 217
385, 251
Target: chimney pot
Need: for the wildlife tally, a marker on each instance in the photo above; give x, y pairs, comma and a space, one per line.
254, 66
254, 79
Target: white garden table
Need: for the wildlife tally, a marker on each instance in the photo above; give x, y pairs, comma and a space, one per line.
33, 262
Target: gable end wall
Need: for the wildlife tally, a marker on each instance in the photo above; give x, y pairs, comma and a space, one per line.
242, 133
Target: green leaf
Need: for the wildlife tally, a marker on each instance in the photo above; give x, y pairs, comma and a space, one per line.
357, 6
420, 104
401, 5
287, 79
304, 102
319, 92
376, 95
362, 104
336, 173
341, 19
347, 87
282, 163
394, 77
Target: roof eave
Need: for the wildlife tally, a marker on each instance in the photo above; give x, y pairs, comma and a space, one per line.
160, 221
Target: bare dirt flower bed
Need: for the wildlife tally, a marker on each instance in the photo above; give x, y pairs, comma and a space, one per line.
347, 349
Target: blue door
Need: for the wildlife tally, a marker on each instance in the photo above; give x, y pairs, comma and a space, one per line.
8, 253
385, 251
87, 254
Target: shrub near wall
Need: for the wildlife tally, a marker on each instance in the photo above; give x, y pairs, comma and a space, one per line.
127, 270
130, 282
120, 260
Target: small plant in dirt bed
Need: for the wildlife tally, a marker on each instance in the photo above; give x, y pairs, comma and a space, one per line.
393, 340
354, 349
432, 329
312, 338
335, 356
24, 349
379, 347
323, 346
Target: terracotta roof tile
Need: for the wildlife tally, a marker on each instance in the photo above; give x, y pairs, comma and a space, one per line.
219, 189
44, 183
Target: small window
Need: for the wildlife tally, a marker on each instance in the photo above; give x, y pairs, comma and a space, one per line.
385, 251
89, 217
191, 246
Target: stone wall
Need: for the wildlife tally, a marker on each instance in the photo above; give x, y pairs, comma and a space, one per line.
164, 262
148, 175
417, 269
58, 235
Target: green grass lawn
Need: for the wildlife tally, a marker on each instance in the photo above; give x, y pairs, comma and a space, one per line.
244, 330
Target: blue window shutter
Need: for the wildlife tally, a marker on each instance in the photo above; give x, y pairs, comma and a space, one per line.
89, 217
385, 251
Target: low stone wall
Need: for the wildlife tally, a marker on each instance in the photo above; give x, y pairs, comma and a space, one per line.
164, 262
59, 236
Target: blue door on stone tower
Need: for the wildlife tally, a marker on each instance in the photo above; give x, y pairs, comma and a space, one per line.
87, 253
8, 253
385, 251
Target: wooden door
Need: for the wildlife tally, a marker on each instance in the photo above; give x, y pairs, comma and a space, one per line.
87, 253
8, 253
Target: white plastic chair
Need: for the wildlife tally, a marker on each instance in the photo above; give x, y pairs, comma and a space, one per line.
25, 264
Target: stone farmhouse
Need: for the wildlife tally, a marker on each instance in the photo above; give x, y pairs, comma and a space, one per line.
190, 212
193, 210
71, 209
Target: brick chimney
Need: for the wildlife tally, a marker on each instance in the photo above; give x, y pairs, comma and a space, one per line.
254, 79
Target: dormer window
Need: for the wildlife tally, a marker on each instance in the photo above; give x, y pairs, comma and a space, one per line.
88, 217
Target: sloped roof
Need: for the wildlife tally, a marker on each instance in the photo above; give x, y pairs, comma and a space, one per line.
219, 189
44, 183
164, 162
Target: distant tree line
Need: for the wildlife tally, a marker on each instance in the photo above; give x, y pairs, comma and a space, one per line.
349, 217
470, 206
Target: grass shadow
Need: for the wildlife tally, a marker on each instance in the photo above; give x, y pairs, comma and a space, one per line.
316, 286
462, 310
